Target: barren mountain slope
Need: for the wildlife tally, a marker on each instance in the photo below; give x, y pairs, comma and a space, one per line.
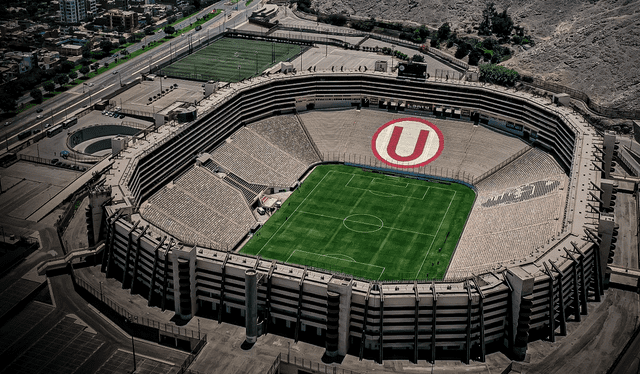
593, 46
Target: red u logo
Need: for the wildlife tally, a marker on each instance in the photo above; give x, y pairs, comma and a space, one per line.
417, 151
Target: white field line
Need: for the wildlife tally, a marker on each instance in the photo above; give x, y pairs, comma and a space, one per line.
434, 238
299, 205
370, 224
339, 259
390, 176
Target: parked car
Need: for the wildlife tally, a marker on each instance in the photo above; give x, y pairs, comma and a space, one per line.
54, 161
39, 116
39, 110
121, 116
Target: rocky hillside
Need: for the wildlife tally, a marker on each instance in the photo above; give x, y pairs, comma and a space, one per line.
589, 45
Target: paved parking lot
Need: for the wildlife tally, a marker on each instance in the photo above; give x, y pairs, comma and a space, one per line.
62, 349
122, 362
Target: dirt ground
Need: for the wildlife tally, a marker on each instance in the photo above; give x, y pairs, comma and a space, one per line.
586, 45
592, 345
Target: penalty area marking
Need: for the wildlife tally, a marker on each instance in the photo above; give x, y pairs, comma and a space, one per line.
339, 259
299, 205
436, 235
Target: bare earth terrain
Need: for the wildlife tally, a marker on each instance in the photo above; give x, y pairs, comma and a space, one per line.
592, 46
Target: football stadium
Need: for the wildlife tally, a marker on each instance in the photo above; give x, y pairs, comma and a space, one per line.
371, 213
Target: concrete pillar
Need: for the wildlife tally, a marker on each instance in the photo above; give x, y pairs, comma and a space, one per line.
521, 301
342, 287
609, 189
610, 146
333, 317
251, 305
606, 226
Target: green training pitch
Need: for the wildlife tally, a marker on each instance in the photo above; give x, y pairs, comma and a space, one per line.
367, 224
220, 60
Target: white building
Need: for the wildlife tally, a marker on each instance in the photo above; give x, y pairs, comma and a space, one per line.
73, 11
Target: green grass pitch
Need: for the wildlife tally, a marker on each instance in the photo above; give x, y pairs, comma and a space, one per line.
220, 60
366, 224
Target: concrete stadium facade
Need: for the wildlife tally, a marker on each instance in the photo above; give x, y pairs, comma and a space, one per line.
464, 315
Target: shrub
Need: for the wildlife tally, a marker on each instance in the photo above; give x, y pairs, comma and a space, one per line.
463, 50
497, 74
49, 86
36, 94
417, 58
444, 31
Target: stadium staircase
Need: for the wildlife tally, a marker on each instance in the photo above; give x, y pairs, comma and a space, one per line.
506, 162
306, 132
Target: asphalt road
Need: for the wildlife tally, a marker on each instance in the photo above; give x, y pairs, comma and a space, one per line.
56, 109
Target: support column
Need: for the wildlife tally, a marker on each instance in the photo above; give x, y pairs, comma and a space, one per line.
363, 340
416, 328
483, 350
468, 345
583, 281
251, 305
522, 283
110, 256
299, 311
268, 298
109, 239
433, 323
563, 316
333, 316
342, 287
152, 283
381, 324
135, 261
128, 254
576, 287
552, 308
165, 282
222, 283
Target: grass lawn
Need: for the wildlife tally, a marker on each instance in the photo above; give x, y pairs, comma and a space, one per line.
370, 225
220, 60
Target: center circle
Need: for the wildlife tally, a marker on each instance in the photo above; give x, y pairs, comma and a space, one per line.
362, 223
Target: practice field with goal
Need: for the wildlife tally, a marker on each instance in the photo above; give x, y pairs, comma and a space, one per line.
220, 60
367, 224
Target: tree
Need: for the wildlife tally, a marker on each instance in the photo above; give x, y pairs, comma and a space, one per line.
95, 66
463, 50
84, 70
49, 86
66, 66
61, 79
417, 58
169, 30
7, 102
434, 43
487, 15
36, 94
444, 31
106, 46
73, 75
149, 30
502, 24
122, 40
474, 57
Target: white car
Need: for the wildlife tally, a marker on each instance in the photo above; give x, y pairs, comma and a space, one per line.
39, 116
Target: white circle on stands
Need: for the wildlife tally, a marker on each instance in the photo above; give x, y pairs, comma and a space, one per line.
407, 143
